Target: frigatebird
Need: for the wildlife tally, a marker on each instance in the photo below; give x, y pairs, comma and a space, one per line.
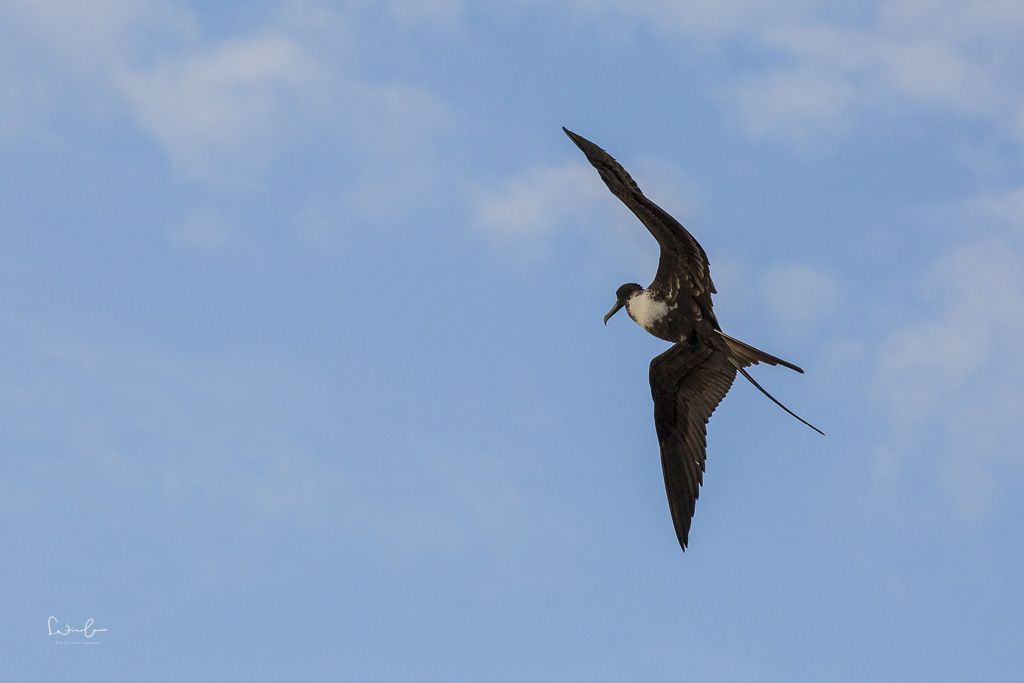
691, 378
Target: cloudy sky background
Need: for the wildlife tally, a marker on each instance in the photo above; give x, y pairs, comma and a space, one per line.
303, 371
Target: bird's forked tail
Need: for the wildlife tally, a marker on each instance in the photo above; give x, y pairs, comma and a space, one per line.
748, 355
743, 354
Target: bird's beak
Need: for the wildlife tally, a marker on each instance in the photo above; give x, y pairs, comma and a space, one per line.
615, 309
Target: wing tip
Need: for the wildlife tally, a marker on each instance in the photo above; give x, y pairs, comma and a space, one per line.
586, 146
594, 152
792, 366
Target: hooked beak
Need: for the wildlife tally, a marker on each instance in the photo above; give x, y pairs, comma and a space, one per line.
615, 309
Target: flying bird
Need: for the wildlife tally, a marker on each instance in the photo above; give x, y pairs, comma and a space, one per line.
691, 378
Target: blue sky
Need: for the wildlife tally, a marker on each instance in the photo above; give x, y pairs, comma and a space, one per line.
303, 370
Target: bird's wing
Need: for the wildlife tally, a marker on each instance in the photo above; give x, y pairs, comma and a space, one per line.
683, 268
687, 384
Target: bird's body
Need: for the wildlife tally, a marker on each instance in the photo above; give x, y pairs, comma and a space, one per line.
657, 316
690, 379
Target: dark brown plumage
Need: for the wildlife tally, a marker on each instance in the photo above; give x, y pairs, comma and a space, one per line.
691, 378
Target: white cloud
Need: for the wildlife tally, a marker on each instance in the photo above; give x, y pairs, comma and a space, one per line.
703, 21
149, 421
822, 67
800, 297
396, 133
214, 107
220, 107
1000, 211
414, 13
952, 376
209, 104
539, 206
152, 428
201, 230
537, 202
801, 106
90, 37
225, 109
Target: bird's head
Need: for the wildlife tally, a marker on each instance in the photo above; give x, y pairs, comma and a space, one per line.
622, 295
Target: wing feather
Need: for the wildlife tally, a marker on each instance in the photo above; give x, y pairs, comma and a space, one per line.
687, 384
683, 268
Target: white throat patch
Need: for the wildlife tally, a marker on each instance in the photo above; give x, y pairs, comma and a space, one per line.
645, 310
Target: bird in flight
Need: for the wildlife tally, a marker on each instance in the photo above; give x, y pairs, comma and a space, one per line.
691, 378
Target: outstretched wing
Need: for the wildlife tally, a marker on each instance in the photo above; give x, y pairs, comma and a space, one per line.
687, 384
683, 268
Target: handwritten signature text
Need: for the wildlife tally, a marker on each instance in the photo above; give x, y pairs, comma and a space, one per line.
87, 630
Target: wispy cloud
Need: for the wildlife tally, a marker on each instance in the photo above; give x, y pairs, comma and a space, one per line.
955, 370
905, 55
415, 13
801, 106
822, 68
537, 207
799, 297
223, 108
538, 201
203, 230
159, 429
